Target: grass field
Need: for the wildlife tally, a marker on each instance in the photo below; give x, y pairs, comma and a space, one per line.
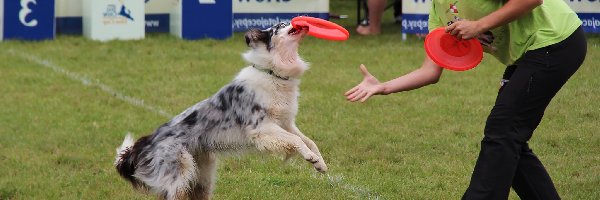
67, 103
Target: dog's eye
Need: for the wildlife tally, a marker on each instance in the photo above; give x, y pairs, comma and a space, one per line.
276, 27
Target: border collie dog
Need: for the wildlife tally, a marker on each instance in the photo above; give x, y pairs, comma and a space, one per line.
254, 111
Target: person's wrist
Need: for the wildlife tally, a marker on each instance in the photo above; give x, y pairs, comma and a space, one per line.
483, 25
384, 90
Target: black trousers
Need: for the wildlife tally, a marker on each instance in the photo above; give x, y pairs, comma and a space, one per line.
505, 158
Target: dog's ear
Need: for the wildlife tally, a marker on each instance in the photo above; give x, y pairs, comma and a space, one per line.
255, 36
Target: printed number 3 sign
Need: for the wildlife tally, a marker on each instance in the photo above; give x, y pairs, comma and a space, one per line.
27, 19
25, 11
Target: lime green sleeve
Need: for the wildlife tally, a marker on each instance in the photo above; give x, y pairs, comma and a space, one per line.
434, 20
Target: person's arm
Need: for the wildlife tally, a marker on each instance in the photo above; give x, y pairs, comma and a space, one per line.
512, 10
428, 73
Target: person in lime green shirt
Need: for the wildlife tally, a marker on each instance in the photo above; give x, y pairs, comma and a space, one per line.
543, 45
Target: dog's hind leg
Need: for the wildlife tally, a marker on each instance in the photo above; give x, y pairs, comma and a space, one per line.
271, 137
167, 171
206, 167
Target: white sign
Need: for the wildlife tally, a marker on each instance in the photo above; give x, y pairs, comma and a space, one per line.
246, 13
1, 20
160, 6
415, 15
72, 8
175, 20
280, 6
68, 8
113, 19
416, 6
584, 6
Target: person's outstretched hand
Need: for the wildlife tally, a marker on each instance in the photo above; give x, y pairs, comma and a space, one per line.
365, 89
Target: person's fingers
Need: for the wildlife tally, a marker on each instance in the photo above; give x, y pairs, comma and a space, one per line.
359, 96
353, 99
455, 28
351, 90
451, 27
466, 35
369, 94
364, 70
353, 94
455, 32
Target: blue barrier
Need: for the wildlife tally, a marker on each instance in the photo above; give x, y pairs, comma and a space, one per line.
591, 22
197, 19
27, 19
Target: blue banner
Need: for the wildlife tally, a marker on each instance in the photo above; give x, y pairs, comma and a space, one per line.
591, 22
206, 19
157, 23
69, 25
29, 19
415, 23
245, 21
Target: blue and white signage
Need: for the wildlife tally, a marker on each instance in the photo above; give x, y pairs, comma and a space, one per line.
69, 16
1, 20
589, 13
263, 14
198, 19
113, 19
157, 15
246, 13
415, 16
27, 19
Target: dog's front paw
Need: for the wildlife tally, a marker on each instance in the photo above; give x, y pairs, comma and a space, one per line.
317, 162
320, 166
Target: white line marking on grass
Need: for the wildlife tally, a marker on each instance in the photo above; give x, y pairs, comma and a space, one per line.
93, 83
338, 180
334, 180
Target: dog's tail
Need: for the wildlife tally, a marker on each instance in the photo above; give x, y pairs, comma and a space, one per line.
168, 170
124, 150
126, 160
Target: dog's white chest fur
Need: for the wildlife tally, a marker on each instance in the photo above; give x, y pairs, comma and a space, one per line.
279, 97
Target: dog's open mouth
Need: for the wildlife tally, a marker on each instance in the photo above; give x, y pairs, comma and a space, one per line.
295, 31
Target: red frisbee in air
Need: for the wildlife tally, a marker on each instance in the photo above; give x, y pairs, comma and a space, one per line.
321, 28
451, 53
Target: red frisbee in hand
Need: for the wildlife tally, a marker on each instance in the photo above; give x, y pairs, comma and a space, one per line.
321, 28
452, 53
